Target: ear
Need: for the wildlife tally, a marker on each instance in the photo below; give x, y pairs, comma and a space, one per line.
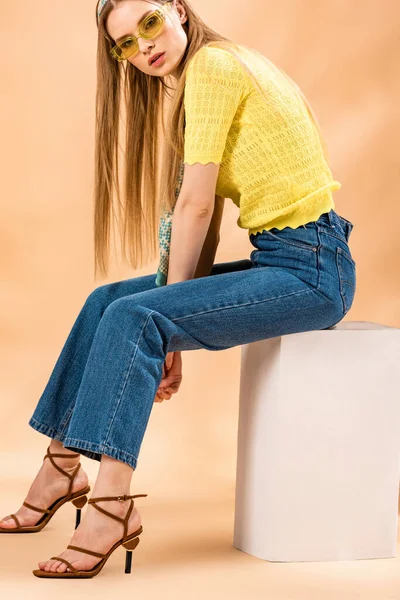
181, 11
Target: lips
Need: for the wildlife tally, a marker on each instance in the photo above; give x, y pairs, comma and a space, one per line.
154, 57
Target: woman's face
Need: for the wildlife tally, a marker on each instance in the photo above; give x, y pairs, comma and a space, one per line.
125, 20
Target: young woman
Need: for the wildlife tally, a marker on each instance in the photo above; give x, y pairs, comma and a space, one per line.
236, 127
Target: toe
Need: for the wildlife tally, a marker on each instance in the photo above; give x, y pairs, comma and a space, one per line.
7, 522
62, 568
55, 565
47, 565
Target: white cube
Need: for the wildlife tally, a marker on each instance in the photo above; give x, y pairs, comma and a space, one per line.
319, 445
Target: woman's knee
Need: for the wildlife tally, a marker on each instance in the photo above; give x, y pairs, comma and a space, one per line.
102, 295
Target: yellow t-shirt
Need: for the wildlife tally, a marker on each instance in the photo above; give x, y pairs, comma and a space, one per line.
272, 162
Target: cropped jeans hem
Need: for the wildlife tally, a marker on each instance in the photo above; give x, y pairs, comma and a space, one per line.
89, 449
46, 429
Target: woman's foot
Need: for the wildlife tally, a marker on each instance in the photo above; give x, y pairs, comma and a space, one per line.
48, 486
96, 532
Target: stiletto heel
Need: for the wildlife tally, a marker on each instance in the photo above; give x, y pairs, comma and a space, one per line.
129, 546
77, 517
129, 542
79, 503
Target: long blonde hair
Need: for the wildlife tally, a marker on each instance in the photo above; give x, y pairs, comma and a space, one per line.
144, 102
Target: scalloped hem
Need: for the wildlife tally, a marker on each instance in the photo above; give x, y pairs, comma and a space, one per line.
201, 161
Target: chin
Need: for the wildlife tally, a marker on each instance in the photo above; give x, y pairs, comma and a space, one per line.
173, 70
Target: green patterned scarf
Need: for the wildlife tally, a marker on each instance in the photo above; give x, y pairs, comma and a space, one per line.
164, 235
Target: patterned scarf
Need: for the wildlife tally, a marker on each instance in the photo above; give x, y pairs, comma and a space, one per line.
164, 235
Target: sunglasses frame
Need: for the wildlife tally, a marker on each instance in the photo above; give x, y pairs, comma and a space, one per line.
159, 12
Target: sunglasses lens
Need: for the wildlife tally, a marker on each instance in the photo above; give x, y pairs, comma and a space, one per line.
126, 48
148, 29
151, 26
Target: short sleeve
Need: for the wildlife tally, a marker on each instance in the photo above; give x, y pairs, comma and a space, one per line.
214, 88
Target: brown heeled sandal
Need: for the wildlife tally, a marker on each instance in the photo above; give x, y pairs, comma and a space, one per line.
129, 542
78, 499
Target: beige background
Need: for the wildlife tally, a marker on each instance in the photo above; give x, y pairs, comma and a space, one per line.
345, 57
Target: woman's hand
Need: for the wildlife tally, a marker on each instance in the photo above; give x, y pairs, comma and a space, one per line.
172, 377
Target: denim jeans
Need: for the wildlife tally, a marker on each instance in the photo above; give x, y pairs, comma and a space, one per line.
100, 394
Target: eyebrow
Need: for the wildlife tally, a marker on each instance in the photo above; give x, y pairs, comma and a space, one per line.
144, 15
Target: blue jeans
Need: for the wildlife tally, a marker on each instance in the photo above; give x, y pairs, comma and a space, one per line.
100, 394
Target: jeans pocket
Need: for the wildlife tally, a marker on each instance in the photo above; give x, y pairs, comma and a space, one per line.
346, 268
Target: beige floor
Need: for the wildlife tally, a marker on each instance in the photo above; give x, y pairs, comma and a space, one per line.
185, 552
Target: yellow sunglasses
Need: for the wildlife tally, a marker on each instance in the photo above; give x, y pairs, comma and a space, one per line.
149, 28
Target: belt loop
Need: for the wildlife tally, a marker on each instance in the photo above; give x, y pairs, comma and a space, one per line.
331, 219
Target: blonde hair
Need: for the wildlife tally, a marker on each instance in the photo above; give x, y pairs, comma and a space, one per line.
144, 101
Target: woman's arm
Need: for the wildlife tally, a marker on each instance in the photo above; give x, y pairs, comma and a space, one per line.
211, 242
172, 377
190, 223
191, 232
195, 224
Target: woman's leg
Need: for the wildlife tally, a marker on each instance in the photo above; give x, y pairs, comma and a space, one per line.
124, 366
55, 406
56, 403
292, 285
49, 485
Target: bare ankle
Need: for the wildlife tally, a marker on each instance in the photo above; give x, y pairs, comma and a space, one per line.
56, 447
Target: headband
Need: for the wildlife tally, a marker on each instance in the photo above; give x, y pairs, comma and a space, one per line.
102, 3
100, 7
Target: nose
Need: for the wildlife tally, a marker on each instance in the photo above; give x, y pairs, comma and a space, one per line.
143, 45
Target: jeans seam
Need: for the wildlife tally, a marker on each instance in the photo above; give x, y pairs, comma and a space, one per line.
334, 235
240, 305
67, 416
342, 294
127, 376
319, 245
342, 255
348, 256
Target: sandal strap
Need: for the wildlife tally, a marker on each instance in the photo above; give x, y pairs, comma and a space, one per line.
87, 551
109, 514
121, 498
43, 510
50, 453
16, 520
125, 520
66, 562
71, 476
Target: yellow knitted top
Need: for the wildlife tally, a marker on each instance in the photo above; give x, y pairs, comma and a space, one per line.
272, 162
